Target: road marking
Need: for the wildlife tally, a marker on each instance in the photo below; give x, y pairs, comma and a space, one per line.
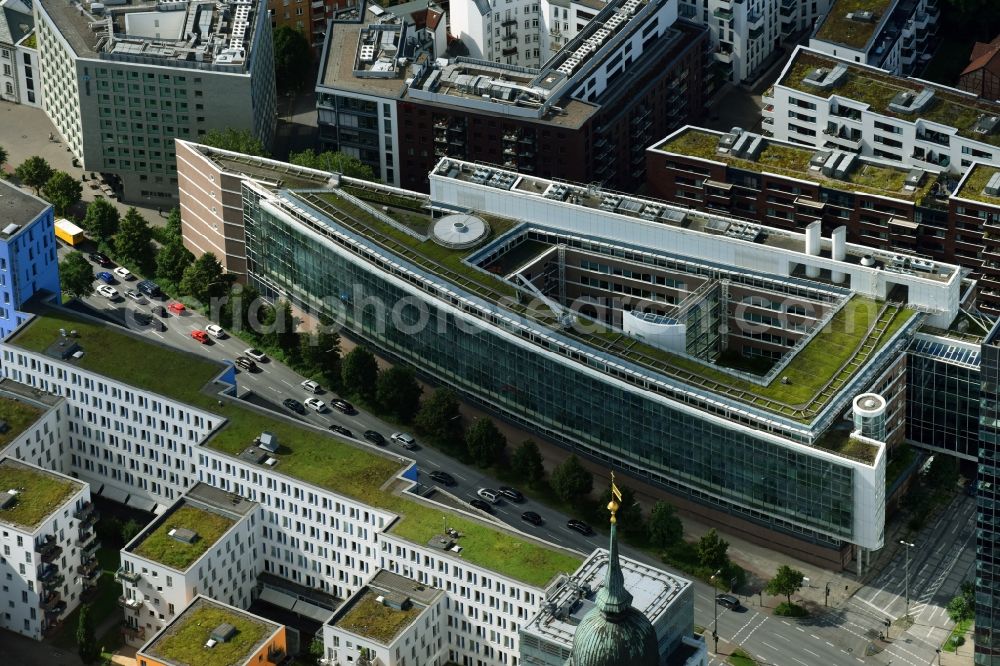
273, 389
808, 651
787, 640
815, 636
800, 629
830, 644
288, 384
767, 645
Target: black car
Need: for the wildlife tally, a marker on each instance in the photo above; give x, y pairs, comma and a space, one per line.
341, 430
481, 505
532, 517
579, 526
343, 406
511, 494
101, 259
159, 311
442, 477
374, 437
727, 601
143, 320
294, 405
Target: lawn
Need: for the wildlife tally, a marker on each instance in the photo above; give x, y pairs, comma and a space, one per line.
160, 547
741, 657
369, 618
958, 632
18, 416
975, 182
184, 642
39, 493
838, 28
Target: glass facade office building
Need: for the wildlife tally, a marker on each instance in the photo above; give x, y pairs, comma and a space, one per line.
943, 391
987, 636
708, 459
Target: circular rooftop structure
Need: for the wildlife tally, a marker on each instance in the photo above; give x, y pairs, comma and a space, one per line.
459, 230
869, 405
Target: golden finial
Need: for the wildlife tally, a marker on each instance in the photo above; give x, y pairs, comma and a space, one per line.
616, 498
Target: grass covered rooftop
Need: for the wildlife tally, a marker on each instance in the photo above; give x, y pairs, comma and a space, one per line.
975, 182
369, 618
18, 416
837, 28
160, 547
39, 493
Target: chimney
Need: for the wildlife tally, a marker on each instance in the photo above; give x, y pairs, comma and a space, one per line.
839, 251
813, 245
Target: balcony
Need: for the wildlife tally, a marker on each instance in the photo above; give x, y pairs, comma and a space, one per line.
123, 575
56, 610
317, 5
129, 604
49, 602
133, 633
508, 23
510, 136
89, 567
84, 511
53, 582
724, 56
509, 51
723, 13
757, 33
508, 36
756, 18
934, 137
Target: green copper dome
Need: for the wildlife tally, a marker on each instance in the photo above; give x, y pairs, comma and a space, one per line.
613, 633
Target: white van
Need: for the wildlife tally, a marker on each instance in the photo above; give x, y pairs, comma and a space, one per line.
490, 495
404, 440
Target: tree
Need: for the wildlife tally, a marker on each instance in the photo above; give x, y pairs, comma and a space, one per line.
439, 418
286, 338
63, 191
133, 242
86, 643
943, 472
129, 529
320, 353
171, 261
172, 229
292, 58
243, 310
398, 393
333, 161
76, 277
963, 606
101, 220
665, 528
527, 463
786, 581
571, 481
203, 279
484, 442
3, 156
359, 372
712, 551
34, 172
238, 141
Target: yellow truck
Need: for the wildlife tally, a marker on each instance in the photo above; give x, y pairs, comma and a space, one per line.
69, 233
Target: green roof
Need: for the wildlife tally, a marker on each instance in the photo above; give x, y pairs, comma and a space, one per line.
160, 547
18, 416
837, 28
975, 182
182, 642
372, 619
877, 90
39, 493
793, 161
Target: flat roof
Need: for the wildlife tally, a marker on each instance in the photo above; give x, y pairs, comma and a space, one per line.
16, 415
18, 207
973, 185
788, 159
37, 493
385, 607
182, 642
338, 65
181, 535
877, 89
837, 28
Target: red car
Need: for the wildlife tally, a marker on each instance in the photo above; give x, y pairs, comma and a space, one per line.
177, 308
200, 336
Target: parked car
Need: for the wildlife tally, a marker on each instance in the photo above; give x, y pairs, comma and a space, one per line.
255, 354
405, 440
101, 259
159, 311
579, 526
200, 335
481, 505
176, 308
311, 386
442, 477
490, 495
316, 405
532, 517
374, 437
511, 494
124, 273
341, 430
343, 406
108, 292
106, 277
294, 405
244, 363
135, 296
215, 331
727, 601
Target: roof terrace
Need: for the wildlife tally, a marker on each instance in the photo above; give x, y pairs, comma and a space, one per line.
28, 494
871, 86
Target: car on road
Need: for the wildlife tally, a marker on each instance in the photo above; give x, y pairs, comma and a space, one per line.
159, 311
108, 292
343, 406
442, 477
101, 259
311, 386
727, 601
142, 319
244, 363
294, 405
124, 273
490, 495
374, 437
532, 517
579, 526
481, 505
255, 354
176, 307
106, 277
215, 331
512, 494
316, 405
135, 296
341, 430
405, 440
149, 288
200, 335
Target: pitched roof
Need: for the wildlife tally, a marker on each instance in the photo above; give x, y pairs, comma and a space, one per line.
984, 55
14, 24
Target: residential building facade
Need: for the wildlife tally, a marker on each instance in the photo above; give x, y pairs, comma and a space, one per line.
18, 56
975, 206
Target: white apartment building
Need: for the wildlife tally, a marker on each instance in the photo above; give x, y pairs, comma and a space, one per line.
510, 32
19, 78
827, 102
205, 543
745, 34
48, 546
894, 35
120, 82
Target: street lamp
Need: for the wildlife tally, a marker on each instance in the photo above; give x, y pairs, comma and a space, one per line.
938, 650
715, 607
907, 576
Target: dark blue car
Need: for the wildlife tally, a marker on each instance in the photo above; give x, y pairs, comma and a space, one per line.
106, 277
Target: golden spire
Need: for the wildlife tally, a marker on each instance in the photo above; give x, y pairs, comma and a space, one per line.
616, 498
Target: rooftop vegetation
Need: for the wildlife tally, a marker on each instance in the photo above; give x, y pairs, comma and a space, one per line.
39, 494
160, 547
975, 182
839, 29
183, 642
367, 617
18, 416
877, 90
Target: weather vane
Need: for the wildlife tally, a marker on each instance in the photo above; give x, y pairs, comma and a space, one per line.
616, 498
